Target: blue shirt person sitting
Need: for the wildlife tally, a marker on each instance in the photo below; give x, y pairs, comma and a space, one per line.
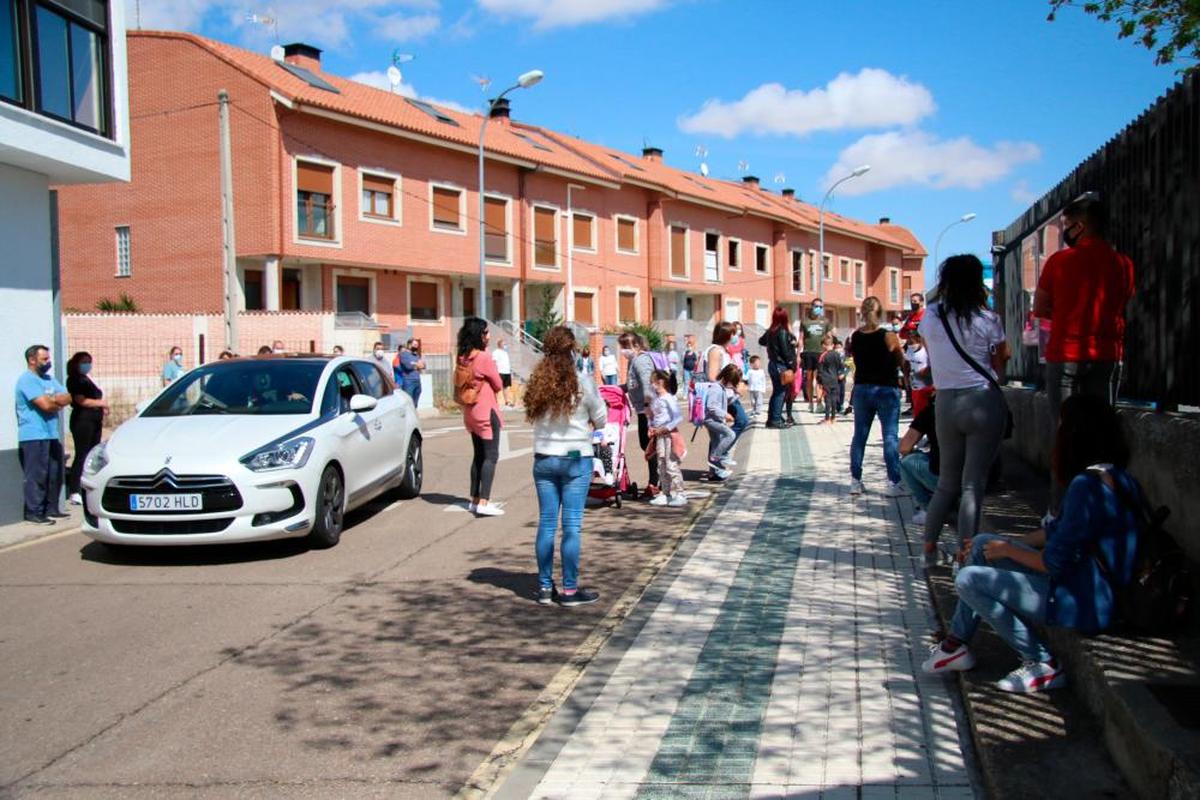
40, 399
1052, 576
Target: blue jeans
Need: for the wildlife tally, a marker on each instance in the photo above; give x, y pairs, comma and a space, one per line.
775, 405
1005, 595
610, 380
741, 420
870, 400
562, 483
914, 470
413, 390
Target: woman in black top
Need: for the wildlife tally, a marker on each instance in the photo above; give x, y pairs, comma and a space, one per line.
877, 358
88, 408
781, 356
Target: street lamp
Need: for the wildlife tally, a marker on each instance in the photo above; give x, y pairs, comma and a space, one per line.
865, 168
937, 244
524, 81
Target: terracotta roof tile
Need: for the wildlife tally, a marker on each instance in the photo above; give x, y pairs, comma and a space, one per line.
912, 244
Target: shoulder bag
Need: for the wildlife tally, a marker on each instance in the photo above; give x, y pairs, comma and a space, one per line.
973, 364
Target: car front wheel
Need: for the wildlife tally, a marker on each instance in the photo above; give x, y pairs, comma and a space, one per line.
414, 470
331, 497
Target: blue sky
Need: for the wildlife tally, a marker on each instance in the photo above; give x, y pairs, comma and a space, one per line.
958, 107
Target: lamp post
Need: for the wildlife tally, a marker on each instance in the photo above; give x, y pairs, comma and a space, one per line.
937, 244
525, 81
865, 168
569, 302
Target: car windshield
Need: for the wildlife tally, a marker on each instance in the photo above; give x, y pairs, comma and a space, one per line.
258, 386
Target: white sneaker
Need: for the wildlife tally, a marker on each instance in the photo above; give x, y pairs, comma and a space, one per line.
856, 487
919, 517
720, 473
1033, 676
728, 462
678, 501
75, 499
488, 510
940, 660
895, 490
659, 499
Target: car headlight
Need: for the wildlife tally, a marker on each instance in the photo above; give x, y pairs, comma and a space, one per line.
291, 454
97, 460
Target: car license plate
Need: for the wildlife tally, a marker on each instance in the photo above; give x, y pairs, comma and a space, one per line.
165, 502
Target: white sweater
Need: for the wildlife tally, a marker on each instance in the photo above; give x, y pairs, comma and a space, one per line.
559, 437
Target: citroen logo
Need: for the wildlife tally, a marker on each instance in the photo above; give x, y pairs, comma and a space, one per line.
166, 460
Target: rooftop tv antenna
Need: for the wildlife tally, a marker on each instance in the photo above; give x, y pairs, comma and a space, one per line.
483, 80
394, 75
780, 177
269, 20
743, 166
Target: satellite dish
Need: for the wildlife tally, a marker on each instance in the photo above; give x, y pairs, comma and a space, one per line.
780, 177
277, 52
394, 77
704, 169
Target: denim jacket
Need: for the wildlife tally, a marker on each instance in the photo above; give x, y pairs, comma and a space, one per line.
1093, 518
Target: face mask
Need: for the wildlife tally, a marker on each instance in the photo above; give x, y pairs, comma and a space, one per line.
817, 310
915, 305
1070, 238
85, 368
277, 350
627, 353
177, 358
44, 369
379, 354
735, 339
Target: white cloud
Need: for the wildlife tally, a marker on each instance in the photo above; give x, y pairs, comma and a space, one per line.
1022, 195
908, 158
566, 13
873, 98
175, 15
402, 28
379, 79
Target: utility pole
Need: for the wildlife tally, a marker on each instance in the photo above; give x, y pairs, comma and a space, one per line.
228, 239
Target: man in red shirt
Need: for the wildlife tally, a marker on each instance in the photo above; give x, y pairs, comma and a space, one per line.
1083, 291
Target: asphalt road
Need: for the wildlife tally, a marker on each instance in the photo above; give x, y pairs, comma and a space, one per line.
389, 666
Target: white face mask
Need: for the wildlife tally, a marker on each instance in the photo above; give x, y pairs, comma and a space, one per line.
627, 353
277, 350
379, 354
177, 358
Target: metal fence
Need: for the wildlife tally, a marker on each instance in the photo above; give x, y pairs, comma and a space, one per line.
1149, 177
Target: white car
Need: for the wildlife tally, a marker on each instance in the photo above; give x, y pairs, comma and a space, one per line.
254, 448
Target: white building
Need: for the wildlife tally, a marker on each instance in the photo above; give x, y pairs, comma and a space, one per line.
64, 119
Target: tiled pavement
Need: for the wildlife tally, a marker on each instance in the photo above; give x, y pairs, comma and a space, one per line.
778, 658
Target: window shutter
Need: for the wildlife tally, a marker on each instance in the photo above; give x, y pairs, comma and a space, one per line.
627, 307
545, 254
374, 183
582, 231
315, 178
678, 252
495, 215
583, 309
423, 300
626, 234
445, 206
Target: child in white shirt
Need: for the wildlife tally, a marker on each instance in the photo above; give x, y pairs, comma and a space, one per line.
756, 380
664, 431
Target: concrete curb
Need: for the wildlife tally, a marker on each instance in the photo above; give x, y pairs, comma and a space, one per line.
41, 536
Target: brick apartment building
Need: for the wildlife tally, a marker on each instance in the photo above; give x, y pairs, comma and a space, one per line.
352, 199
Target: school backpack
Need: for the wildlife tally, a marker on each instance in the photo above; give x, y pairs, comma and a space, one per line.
689, 361
697, 395
466, 388
662, 362
1159, 595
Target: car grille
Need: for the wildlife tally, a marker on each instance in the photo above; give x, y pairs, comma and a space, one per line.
217, 492
167, 527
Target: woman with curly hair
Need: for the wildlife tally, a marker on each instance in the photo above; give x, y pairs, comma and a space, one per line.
564, 408
482, 417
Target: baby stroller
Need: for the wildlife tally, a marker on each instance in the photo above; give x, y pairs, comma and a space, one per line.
609, 470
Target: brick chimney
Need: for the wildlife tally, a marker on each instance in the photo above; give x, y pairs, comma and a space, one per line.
654, 154
303, 55
750, 180
885, 220
789, 194
501, 112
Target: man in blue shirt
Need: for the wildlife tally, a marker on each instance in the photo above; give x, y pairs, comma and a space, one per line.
39, 401
406, 369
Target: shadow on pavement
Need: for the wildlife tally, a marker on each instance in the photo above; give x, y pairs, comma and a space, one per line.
191, 555
523, 584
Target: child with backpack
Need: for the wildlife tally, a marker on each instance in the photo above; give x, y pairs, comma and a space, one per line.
666, 442
718, 421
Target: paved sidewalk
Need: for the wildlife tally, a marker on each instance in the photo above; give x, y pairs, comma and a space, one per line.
779, 657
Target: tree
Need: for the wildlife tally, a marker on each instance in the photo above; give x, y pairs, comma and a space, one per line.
545, 316
1170, 28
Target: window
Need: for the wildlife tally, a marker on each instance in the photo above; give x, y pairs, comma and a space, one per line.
908, 284
468, 298
370, 378
447, 208
826, 267
762, 255
894, 286
252, 288
353, 295
314, 200
498, 304
495, 228
341, 387
378, 197
811, 272
627, 306
545, 239
583, 309
679, 266
712, 267
797, 272
54, 60
431, 111
124, 268
423, 301
582, 231
762, 315
735, 254
289, 290
860, 280
627, 235
733, 311
844, 270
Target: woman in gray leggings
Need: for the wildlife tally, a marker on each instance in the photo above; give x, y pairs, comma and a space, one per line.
971, 412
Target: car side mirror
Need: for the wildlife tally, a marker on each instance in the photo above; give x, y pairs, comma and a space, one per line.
362, 402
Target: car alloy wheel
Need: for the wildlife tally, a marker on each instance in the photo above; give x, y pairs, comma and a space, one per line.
414, 470
330, 507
